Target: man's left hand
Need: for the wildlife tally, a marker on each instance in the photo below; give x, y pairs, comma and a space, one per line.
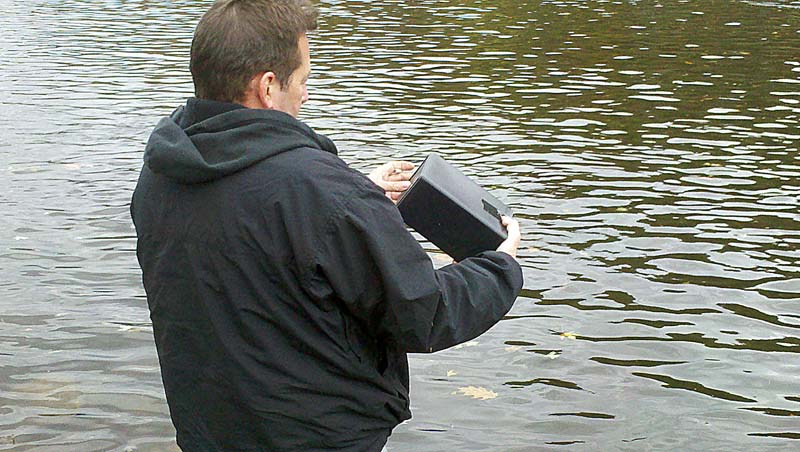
393, 178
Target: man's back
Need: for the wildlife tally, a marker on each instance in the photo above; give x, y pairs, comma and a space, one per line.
284, 289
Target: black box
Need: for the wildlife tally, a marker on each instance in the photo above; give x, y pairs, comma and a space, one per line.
452, 211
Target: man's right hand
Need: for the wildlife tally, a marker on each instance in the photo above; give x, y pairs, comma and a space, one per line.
510, 244
393, 178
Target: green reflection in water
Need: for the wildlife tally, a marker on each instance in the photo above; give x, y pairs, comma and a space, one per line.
670, 382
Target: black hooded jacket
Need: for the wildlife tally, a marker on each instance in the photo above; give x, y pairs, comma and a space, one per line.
284, 288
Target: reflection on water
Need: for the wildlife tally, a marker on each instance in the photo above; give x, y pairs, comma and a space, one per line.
650, 151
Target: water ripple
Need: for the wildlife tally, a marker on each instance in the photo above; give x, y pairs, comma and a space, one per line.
654, 172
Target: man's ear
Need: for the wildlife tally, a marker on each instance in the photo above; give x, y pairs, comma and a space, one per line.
267, 85
261, 91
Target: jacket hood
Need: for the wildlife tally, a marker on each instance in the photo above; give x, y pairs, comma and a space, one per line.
207, 140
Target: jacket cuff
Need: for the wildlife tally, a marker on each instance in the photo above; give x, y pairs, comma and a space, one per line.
513, 270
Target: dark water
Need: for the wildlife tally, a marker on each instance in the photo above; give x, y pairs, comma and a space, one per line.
649, 149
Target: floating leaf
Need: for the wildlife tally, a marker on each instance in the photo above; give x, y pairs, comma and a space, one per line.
477, 393
513, 348
553, 355
452, 373
568, 335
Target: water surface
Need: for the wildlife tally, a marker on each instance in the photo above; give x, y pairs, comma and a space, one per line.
649, 150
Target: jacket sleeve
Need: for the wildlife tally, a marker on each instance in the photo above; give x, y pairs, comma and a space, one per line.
369, 261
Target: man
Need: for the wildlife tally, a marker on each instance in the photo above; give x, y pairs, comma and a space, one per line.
283, 286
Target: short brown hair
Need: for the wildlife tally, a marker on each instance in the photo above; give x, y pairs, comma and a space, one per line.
237, 39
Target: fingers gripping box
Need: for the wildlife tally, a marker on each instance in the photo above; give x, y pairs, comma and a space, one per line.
451, 210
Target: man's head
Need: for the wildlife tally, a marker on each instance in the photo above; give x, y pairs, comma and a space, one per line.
254, 52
